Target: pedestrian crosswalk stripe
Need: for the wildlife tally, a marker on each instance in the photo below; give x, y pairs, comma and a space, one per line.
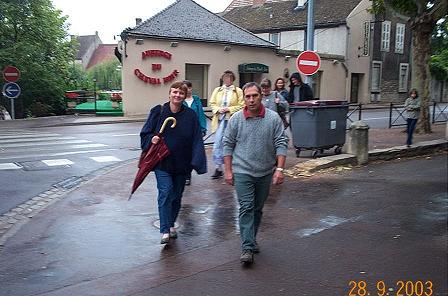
125, 135
88, 146
44, 143
57, 154
9, 166
57, 162
105, 158
35, 139
24, 136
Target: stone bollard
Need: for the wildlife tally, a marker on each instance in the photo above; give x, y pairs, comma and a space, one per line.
359, 141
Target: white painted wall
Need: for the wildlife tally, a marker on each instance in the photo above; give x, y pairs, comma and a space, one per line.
328, 40
139, 97
292, 40
331, 40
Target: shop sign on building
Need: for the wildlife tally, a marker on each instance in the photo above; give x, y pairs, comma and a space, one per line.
156, 67
253, 68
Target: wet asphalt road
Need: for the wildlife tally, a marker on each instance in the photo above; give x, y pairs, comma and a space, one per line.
383, 222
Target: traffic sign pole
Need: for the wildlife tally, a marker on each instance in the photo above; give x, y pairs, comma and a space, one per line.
13, 113
310, 36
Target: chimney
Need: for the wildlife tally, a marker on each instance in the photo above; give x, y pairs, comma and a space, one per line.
258, 2
138, 21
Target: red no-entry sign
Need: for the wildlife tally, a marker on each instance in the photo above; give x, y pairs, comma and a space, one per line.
308, 62
11, 74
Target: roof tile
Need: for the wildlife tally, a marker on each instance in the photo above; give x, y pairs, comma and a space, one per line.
187, 20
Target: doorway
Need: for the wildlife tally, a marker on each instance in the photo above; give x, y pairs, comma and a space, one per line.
354, 88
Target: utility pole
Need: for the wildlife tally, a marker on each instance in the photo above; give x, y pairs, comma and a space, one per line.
310, 36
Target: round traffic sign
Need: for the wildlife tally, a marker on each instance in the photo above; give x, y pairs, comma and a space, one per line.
11, 74
308, 62
11, 90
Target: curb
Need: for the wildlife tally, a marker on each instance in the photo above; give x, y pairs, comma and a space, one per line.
305, 169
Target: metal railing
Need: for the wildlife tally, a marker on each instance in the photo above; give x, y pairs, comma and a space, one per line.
397, 110
441, 114
356, 107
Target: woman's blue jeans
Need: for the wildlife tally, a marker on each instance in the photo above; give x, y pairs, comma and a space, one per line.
252, 192
171, 187
411, 123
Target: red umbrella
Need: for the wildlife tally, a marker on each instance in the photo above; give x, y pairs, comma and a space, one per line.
152, 157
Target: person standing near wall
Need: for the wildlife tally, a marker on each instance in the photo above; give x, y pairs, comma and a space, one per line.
194, 102
412, 107
255, 147
280, 87
298, 90
225, 101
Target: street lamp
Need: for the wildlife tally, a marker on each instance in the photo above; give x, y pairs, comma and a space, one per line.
94, 91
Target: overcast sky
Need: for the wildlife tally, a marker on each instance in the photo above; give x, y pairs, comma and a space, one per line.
109, 18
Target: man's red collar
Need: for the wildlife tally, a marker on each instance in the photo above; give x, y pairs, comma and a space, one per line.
260, 114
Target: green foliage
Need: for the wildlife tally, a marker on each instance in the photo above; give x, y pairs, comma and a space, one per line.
439, 65
33, 38
78, 78
439, 46
106, 75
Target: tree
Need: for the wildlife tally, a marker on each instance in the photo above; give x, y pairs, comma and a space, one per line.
33, 37
424, 15
106, 75
439, 44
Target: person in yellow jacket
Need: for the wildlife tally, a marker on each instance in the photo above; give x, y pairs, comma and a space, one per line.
225, 100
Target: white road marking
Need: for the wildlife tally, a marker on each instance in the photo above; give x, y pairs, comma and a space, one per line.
9, 166
125, 135
57, 162
44, 143
87, 146
36, 139
104, 158
15, 135
56, 154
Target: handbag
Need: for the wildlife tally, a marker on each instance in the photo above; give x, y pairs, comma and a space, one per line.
282, 112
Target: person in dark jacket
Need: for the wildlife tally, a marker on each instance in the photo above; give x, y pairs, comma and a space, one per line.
298, 90
194, 102
187, 152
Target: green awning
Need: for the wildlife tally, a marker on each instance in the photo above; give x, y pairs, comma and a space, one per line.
253, 68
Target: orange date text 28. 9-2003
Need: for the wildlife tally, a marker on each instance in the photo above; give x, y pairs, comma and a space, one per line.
398, 288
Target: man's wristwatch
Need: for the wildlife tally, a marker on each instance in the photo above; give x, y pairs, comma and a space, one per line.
280, 169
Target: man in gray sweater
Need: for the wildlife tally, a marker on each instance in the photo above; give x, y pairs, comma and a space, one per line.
255, 147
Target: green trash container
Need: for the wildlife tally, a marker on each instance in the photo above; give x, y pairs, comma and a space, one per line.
318, 125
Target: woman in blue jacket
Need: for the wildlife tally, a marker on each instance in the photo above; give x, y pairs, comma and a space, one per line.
194, 102
187, 152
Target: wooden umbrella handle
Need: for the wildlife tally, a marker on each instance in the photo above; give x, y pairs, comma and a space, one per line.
165, 122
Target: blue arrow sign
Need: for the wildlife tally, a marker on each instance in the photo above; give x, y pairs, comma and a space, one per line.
11, 90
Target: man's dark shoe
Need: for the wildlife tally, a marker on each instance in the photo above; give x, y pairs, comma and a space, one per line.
217, 174
247, 256
188, 182
256, 249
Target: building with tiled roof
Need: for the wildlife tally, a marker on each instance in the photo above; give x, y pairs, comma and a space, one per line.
103, 53
374, 50
87, 46
187, 41
187, 20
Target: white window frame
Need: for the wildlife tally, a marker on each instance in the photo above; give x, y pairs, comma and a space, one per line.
385, 36
377, 87
403, 77
278, 38
399, 38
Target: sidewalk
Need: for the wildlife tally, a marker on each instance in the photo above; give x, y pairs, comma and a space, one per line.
92, 241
